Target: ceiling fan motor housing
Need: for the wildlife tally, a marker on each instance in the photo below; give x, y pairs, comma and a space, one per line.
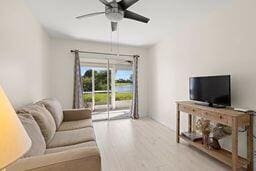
114, 13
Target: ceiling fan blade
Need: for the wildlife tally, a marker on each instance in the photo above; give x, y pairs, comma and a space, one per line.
105, 2
113, 26
90, 15
134, 16
124, 4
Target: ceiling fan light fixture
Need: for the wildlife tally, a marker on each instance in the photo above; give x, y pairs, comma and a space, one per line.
115, 17
114, 14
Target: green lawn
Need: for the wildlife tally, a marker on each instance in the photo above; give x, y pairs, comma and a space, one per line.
123, 96
122, 84
101, 98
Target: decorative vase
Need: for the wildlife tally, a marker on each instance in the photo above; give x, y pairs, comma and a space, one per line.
204, 126
205, 141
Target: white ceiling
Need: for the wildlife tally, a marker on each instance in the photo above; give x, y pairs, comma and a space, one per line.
167, 17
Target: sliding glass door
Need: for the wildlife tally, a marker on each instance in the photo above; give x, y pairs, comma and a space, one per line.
107, 86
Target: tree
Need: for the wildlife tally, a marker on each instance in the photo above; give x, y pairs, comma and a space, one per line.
130, 79
87, 84
88, 73
100, 80
87, 81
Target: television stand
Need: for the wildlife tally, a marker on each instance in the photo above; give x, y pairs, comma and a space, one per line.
232, 118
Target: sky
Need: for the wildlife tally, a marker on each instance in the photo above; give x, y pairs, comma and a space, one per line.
123, 74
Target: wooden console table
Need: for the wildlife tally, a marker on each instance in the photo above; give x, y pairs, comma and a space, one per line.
225, 116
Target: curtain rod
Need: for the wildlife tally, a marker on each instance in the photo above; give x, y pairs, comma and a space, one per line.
100, 53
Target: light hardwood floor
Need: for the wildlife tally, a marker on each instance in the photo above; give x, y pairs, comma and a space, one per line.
145, 145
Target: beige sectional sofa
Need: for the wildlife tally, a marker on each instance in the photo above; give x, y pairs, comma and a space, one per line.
61, 140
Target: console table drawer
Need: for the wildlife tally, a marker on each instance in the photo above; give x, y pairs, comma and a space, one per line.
217, 117
190, 110
214, 116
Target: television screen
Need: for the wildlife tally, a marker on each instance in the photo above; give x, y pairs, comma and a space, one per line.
211, 89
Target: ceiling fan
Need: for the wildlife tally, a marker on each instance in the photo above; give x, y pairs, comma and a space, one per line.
116, 11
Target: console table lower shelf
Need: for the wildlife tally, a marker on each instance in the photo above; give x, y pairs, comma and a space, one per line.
221, 154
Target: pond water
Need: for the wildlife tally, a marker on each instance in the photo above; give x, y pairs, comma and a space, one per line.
124, 88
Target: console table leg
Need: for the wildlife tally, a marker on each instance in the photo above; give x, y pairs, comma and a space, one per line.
189, 123
234, 145
250, 144
178, 125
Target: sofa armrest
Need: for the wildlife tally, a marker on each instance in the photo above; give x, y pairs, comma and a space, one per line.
79, 159
77, 114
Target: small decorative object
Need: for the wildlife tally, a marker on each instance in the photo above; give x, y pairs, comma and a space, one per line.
204, 126
192, 136
214, 143
219, 131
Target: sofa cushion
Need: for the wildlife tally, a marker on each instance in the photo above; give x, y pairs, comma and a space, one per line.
43, 118
38, 143
72, 137
54, 107
60, 149
71, 125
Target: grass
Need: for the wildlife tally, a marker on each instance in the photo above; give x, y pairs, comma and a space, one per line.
122, 84
123, 96
101, 98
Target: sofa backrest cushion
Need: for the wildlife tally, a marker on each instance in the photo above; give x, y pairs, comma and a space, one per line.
38, 143
43, 118
54, 107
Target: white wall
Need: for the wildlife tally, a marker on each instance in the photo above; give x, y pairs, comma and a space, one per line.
62, 63
23, 53
221, 43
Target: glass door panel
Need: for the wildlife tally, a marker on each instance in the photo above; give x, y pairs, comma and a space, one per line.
101, 93
86, 73
122, 91
94, 79
107, 92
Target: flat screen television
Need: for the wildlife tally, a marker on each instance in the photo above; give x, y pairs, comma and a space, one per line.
214, 90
